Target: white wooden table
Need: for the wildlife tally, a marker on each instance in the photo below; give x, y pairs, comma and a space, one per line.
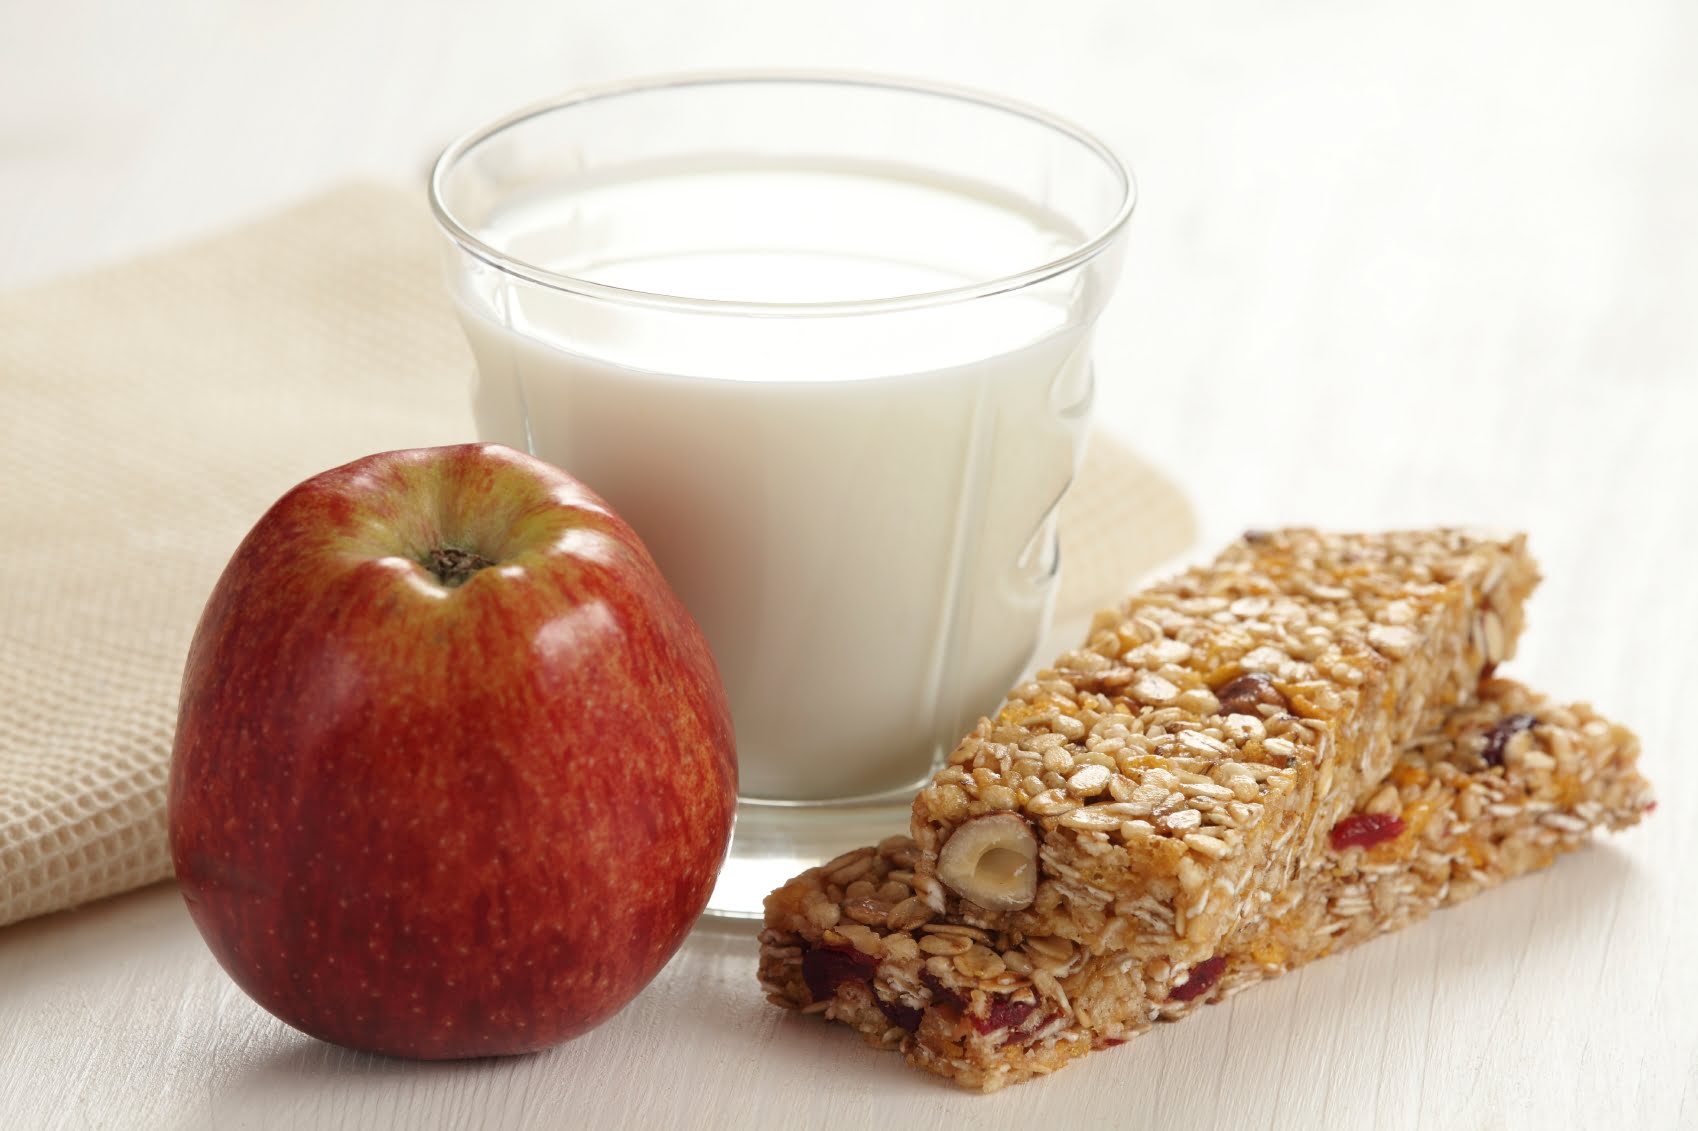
1393, 264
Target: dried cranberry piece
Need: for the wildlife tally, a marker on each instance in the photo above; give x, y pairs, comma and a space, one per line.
1366, 830
1498, 737
902, 1016
940, 995
1204, 975
1004, 1014
1024, 1036
825, 968
1243, 695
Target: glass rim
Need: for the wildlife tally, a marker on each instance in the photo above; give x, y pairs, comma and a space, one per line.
1086, 249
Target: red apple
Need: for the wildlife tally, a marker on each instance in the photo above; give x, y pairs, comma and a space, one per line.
454, 770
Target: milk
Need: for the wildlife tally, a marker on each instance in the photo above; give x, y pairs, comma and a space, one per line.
859, 509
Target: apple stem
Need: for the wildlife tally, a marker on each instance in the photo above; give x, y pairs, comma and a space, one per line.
454, 567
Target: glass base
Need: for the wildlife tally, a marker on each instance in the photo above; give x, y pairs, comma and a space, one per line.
775, 841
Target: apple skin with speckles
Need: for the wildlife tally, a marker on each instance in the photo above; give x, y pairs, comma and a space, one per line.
454, 771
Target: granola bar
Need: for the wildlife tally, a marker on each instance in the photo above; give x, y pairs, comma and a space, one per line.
1500, 789
1146, 793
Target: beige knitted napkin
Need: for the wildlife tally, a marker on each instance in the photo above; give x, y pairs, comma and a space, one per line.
150, 412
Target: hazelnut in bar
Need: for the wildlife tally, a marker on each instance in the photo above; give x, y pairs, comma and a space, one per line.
1165, 782
1499, 789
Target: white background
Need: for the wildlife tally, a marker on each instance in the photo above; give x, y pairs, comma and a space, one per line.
1392, 264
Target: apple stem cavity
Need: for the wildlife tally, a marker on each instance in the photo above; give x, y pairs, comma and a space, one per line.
454, 567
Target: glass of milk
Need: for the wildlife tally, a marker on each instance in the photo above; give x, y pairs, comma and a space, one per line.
824, 341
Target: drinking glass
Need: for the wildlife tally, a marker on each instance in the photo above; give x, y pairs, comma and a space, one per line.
824, 341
